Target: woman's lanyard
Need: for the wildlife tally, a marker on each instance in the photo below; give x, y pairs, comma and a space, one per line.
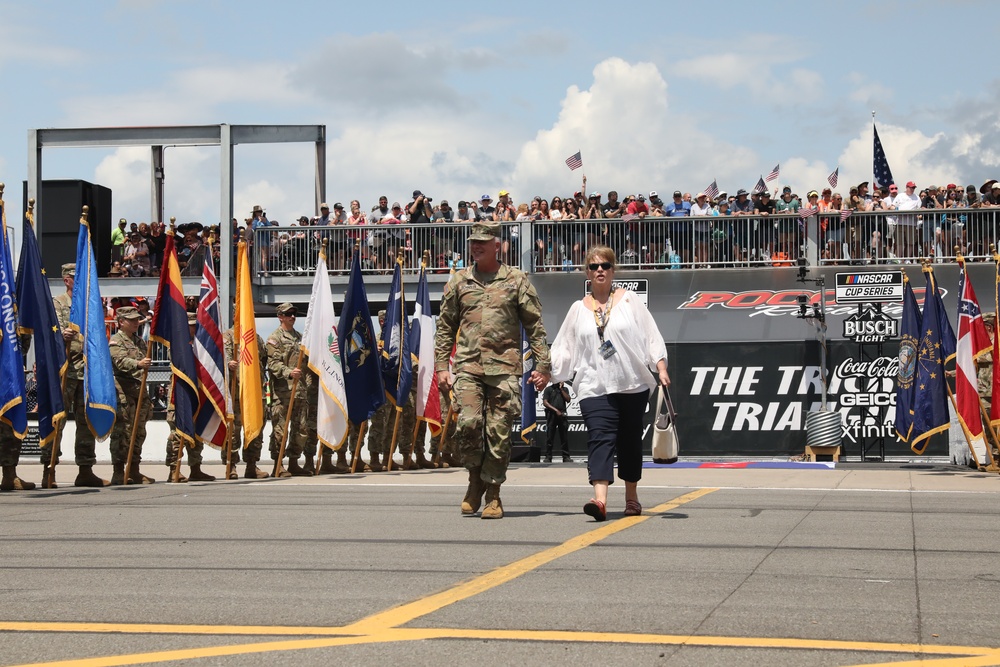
601, 319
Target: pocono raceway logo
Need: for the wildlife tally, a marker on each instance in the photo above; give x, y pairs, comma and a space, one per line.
782, 303
862, 391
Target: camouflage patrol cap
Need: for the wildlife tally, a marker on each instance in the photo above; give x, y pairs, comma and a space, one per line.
381, 314
989, 317
128, 313
287, 309
482, 231
69, 270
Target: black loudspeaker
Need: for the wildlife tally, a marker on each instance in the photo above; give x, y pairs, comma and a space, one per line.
62, 203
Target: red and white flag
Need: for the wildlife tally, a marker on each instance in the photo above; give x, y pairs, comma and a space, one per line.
422, 333
973, 342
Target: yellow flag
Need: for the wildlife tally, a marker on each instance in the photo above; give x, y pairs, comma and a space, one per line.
245, 335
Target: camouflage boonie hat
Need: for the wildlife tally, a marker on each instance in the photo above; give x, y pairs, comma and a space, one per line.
287, 309
482, 231
128, 313
69, 270
989, 317
192, 319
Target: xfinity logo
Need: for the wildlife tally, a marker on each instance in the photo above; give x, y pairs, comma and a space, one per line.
870, 326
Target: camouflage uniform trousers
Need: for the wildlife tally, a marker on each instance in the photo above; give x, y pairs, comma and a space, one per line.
10, 446
312, 437
85, 444
253, 448
298, 427
174, 441
487, 406
122, 433
383, 423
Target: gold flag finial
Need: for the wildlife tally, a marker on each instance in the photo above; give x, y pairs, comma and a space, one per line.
84, 213
322, 250
173, 223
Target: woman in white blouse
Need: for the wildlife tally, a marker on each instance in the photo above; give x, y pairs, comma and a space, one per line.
607, 347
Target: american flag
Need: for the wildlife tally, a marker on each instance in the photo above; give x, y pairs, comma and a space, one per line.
807, 212
774, 173
880, 166
713, 190
760, 187
574, 161
833, 178
845, 213
629, 217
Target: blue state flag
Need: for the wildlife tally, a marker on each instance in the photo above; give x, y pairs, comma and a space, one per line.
949, 342
909, 342
529, 394
13, 407
397, 362
86, 315
930, 399
38, 317
359, 350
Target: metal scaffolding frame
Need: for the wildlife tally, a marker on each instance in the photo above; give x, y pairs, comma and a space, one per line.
224, 136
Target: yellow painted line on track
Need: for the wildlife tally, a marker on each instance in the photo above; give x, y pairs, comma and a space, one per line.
166, 629
968, 661
405, 613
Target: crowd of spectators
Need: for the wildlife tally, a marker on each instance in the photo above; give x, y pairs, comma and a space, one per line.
700, 230
137, 249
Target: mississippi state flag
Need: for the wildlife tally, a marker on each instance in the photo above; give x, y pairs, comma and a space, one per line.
973, 342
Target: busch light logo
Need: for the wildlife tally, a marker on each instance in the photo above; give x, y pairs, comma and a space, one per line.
870, 326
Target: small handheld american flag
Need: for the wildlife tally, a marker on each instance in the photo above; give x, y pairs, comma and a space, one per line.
833, 178
774, 173
574, 161
712, 190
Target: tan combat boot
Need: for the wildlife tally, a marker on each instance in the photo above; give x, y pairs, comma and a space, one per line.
253, 472
327, 467
86, 477
422, 461
309, 467
342, 468
474, 494
197, 475
375, 464
494, 506
118, 476
409, 463
296, 470
11, 482
138, 478
49, 478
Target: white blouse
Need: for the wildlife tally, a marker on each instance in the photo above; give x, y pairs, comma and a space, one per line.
631, 329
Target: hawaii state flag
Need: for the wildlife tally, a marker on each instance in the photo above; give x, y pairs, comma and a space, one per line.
38, 317
170, 328
973, 342
210, 362
359, 350
995, 394
13, 407
397, 365
320, 342
86, 315
422, 332
245, 340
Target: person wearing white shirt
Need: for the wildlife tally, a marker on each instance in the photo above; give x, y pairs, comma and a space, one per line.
608, 347
906, 225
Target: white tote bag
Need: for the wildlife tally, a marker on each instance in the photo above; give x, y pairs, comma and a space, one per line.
665, 444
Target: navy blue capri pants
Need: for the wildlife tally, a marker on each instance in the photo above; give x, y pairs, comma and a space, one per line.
614, 425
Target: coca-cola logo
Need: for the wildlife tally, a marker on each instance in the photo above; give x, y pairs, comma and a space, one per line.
878, 368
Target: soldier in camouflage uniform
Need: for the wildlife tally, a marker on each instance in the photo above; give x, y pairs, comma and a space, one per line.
85, 443
283, 350
10, 444
253, 448
175, 440
129, 360
488, 303
984, 376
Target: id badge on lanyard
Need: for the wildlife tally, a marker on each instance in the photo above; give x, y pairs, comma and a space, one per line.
607, 348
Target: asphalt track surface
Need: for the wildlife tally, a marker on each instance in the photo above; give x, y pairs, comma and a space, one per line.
854, 565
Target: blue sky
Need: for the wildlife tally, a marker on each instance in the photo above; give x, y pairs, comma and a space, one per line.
459, 99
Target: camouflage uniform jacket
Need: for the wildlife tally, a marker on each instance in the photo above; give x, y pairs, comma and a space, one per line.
227, 342
488, 318
126, 353
282, 352
74, 358
984, 375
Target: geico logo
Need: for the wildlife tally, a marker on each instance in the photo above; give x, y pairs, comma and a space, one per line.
867, 400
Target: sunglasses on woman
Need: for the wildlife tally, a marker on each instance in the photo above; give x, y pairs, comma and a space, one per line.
603, 265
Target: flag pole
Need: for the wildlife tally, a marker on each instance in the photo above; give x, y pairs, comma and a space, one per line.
231, 423
142, 391
416, 422
873, 150
319, 443
357, 449
399, 410
49, 481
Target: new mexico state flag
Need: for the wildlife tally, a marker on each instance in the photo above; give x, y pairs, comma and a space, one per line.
245, 337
